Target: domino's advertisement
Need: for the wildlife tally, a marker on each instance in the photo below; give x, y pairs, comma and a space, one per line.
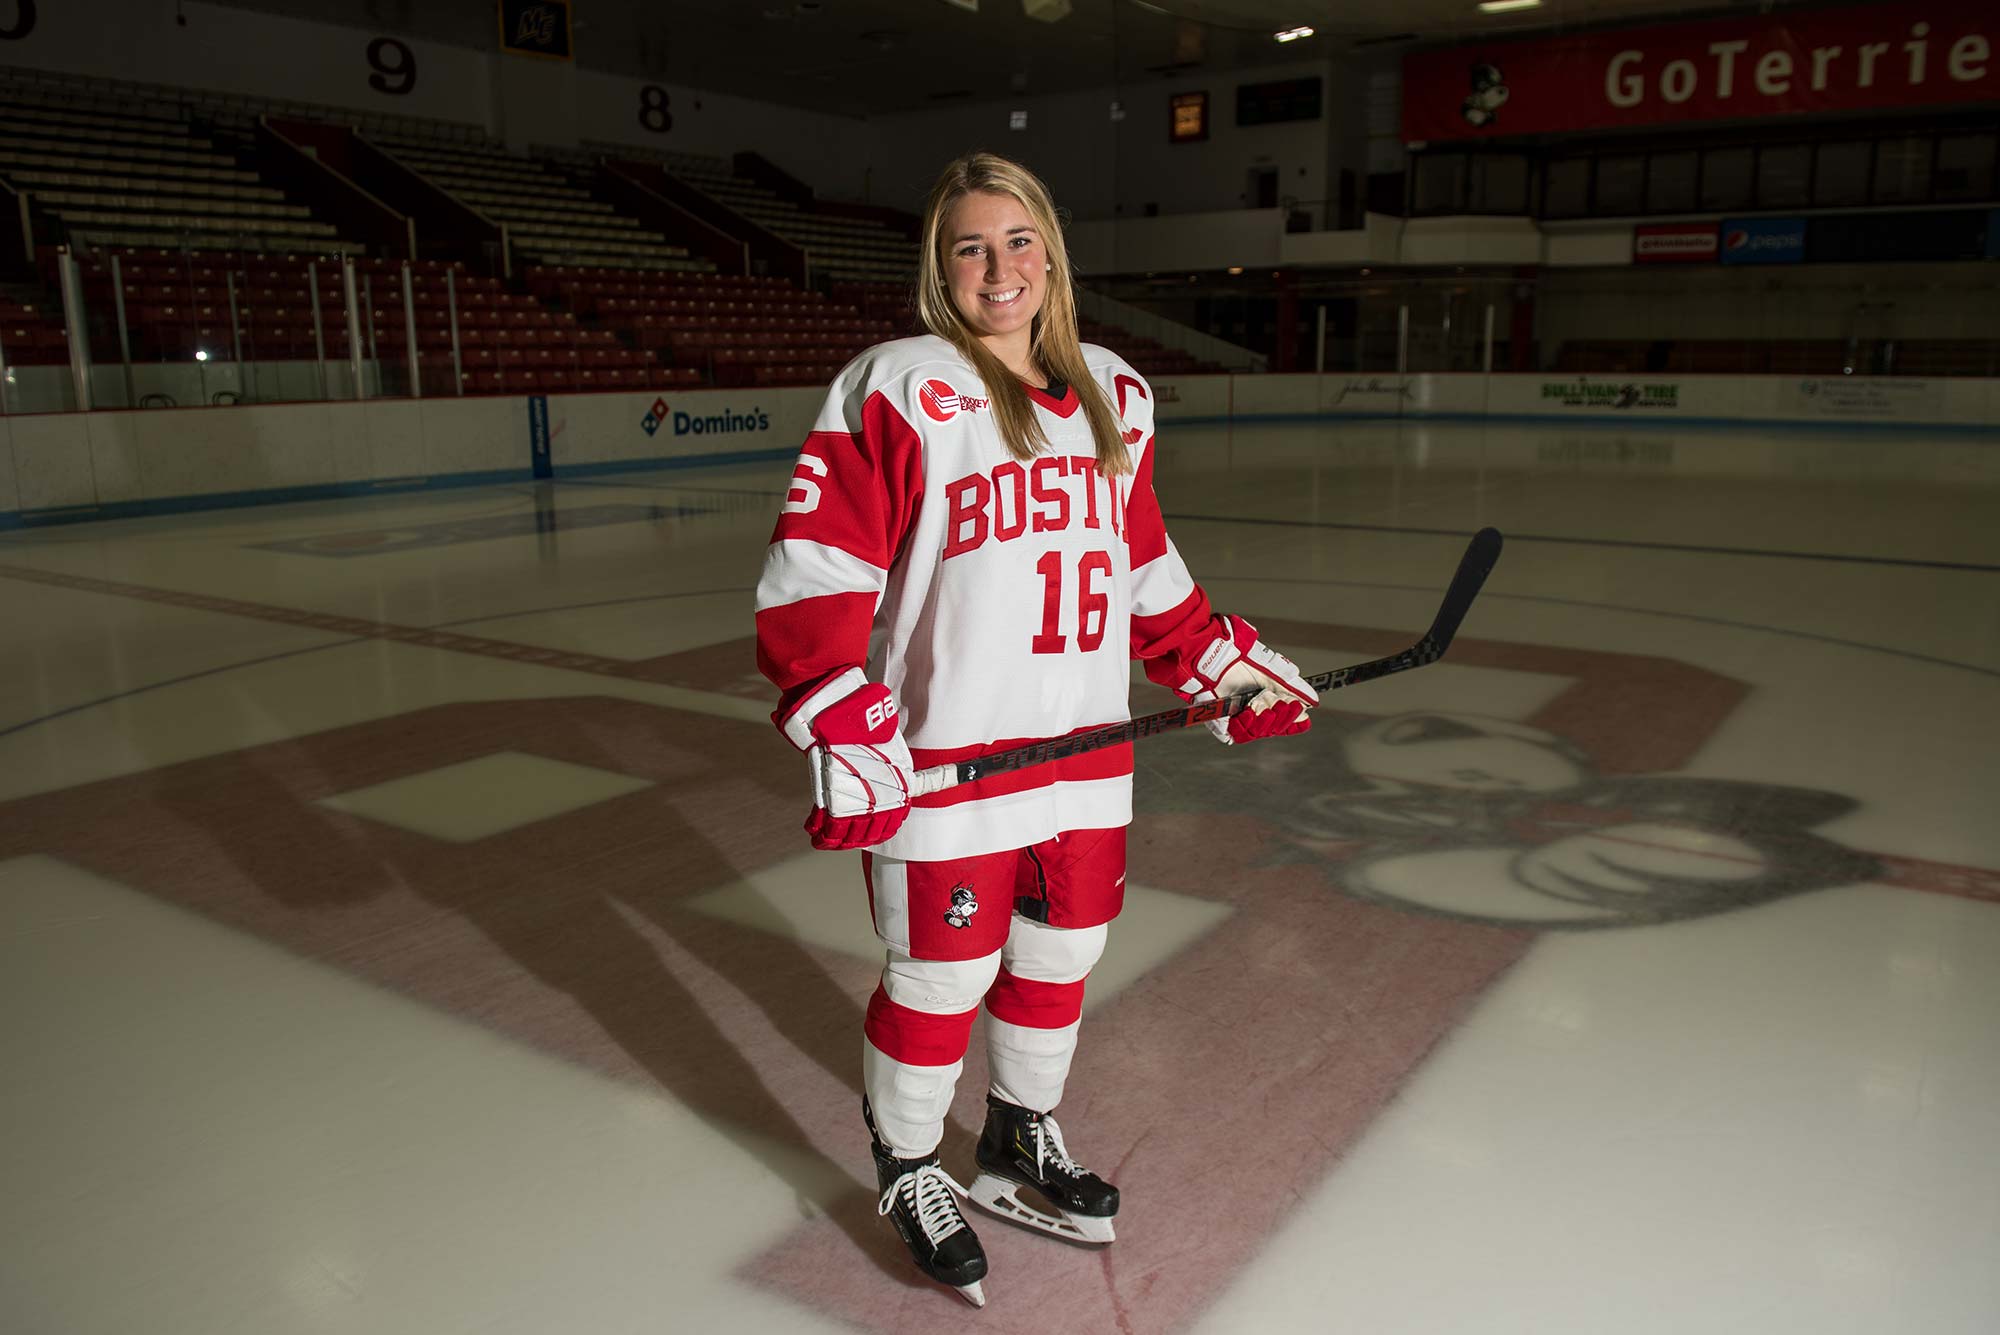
678, 425
1763, 240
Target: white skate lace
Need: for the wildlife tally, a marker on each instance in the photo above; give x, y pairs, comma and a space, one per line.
928, 1191
1049, 1149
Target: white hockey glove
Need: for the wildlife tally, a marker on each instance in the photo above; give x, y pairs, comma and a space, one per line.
1237, 661
861, 766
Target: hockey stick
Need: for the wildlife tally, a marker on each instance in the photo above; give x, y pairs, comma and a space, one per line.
1473, 567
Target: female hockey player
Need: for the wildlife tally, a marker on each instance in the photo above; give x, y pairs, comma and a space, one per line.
969, 551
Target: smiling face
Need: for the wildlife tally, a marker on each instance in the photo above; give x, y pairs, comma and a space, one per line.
995, 265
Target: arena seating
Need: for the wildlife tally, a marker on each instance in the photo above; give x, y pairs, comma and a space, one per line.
235, 111
734, 330
31, 335
509, 341
160, 180
888, 301
1946, 357
552, 219
845, 249
1147, 356
133, 172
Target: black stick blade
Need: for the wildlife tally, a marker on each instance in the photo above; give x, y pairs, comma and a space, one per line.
1473, 568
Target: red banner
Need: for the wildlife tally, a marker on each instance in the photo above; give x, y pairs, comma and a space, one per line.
1673, 243
1879, 57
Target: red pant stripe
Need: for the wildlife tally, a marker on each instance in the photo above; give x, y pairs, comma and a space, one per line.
1034, 1005
916, 1038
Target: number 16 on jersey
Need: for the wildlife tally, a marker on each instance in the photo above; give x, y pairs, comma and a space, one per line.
1093, 607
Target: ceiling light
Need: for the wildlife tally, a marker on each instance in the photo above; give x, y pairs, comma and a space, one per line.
1236, 268
1503, 6
1293, 34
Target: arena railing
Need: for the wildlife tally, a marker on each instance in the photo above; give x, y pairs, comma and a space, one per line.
165, 326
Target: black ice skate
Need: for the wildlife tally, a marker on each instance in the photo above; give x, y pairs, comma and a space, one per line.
1024, 1150
921, 1201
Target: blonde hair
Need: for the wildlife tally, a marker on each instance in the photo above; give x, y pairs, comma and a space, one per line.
1056, 347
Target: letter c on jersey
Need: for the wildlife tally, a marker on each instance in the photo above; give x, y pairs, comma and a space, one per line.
1123, 383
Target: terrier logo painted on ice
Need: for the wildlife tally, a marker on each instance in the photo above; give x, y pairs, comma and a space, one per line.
1493, 821
963, 906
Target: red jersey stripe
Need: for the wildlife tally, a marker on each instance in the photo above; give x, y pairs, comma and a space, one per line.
798, 643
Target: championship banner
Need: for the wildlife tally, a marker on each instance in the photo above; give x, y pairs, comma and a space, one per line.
1673, 243
1871, 58
535, 28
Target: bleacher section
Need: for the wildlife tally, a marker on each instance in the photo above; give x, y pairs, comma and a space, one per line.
847, 250
1947, 356
130, 172
551, 219
164, 183
732, 330
231, 110
509, 341
31, 334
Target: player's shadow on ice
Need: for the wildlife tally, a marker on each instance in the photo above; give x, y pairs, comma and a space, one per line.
583, 943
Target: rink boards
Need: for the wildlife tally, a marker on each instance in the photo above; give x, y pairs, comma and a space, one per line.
94, 465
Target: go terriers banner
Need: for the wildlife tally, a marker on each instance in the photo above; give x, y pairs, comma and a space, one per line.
1866, 59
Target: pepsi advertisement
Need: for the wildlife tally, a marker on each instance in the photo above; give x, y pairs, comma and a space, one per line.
1763, 240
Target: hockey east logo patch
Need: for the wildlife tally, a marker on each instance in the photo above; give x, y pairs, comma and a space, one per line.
963, 905
942, 403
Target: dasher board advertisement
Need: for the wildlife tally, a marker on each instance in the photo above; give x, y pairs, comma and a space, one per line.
1673, 243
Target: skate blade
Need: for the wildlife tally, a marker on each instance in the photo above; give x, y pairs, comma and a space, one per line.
999, 1196
974, 1293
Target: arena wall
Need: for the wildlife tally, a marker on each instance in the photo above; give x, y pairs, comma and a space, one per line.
1904, 402
223, 49
105, 464
1094, 164
1912, 300
59, 466
1092, 161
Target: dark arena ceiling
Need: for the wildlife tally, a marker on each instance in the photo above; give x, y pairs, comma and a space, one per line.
877, 57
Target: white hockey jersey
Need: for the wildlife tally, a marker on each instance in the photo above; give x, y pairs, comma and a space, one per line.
998, 600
